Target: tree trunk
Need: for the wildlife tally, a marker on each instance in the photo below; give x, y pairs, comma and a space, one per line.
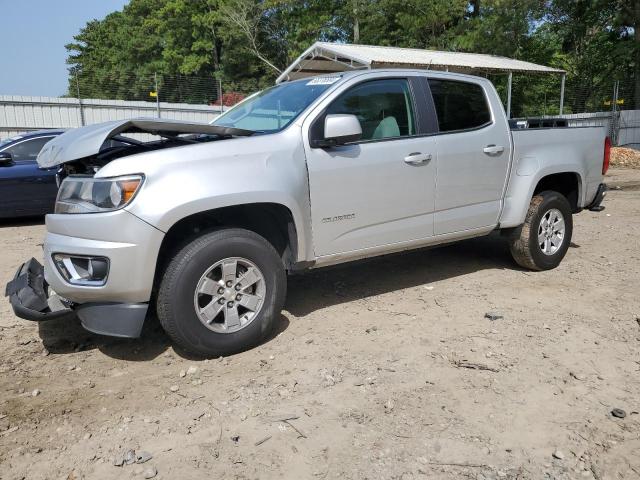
214, 52
356, 23
356, 30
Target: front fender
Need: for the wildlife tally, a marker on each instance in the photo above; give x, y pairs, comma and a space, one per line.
179, 211
183, 181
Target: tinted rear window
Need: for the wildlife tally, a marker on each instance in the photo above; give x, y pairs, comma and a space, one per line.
459, 105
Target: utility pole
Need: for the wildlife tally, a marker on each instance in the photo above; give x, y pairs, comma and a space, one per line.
220, 93
562, 81
509, 84
614, 113
75, 74
155, 79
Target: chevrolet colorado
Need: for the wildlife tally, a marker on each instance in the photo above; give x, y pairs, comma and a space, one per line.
202, 222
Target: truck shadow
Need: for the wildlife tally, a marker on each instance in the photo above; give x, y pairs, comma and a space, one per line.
324, 287
68, 337
307, 293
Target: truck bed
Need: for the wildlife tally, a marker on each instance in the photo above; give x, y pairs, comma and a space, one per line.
538, 152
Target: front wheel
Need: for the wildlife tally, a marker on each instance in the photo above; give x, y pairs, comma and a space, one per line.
543, 240
222, 292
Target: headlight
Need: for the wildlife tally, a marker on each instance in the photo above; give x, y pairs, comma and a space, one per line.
94, 195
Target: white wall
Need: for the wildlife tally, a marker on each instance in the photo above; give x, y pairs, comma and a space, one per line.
19, 114
629, 129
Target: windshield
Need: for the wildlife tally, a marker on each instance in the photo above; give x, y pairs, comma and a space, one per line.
275, 108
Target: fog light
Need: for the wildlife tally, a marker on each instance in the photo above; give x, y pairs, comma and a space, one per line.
80, 270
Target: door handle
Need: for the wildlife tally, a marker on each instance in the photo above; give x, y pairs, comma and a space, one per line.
493, 149
417, 158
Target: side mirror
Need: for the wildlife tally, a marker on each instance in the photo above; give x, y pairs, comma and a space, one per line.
6, 159
340, 129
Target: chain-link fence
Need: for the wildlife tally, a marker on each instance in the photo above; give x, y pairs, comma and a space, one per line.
540, 95
532, 95
613, 104
152, 87
625, 108
158, 90
95, 99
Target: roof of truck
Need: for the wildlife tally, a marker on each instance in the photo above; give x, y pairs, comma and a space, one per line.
324, 57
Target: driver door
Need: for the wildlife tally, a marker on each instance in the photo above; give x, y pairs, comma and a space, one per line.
381, 189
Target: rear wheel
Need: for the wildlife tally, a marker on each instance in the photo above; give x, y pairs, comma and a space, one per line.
222, 292
543, 240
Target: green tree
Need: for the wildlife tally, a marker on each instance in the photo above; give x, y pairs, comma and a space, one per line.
402, 23
246, 43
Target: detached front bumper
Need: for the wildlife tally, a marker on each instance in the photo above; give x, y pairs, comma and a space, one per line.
32, 299
115, 307
29, 296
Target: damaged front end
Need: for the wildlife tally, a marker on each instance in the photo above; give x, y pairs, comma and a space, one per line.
32, 299
99, 258
83, 151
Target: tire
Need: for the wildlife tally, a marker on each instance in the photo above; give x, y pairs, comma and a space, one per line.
524, 243
190, 288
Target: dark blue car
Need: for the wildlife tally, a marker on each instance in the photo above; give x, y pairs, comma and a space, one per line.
25, 189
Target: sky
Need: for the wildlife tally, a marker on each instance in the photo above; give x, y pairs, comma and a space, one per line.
34, 33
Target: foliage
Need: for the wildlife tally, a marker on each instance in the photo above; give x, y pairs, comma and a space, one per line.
246, 43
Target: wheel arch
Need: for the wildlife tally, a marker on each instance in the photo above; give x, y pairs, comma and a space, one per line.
568, 184
273, 221
522, 189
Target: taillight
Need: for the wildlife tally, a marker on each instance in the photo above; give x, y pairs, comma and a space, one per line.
607, 155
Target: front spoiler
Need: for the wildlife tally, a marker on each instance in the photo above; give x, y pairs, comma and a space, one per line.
28, 293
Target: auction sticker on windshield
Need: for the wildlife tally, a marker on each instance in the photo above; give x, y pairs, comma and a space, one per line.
323, 81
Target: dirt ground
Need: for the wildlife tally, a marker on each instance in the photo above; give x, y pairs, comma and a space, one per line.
366, 378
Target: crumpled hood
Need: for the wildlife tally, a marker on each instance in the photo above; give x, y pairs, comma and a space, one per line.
86, 141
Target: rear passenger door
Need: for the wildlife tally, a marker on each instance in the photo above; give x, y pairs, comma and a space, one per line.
473, 150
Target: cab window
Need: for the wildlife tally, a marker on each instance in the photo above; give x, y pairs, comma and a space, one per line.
383, 107
459, 105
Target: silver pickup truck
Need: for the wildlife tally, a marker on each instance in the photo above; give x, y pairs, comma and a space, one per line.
202, 222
